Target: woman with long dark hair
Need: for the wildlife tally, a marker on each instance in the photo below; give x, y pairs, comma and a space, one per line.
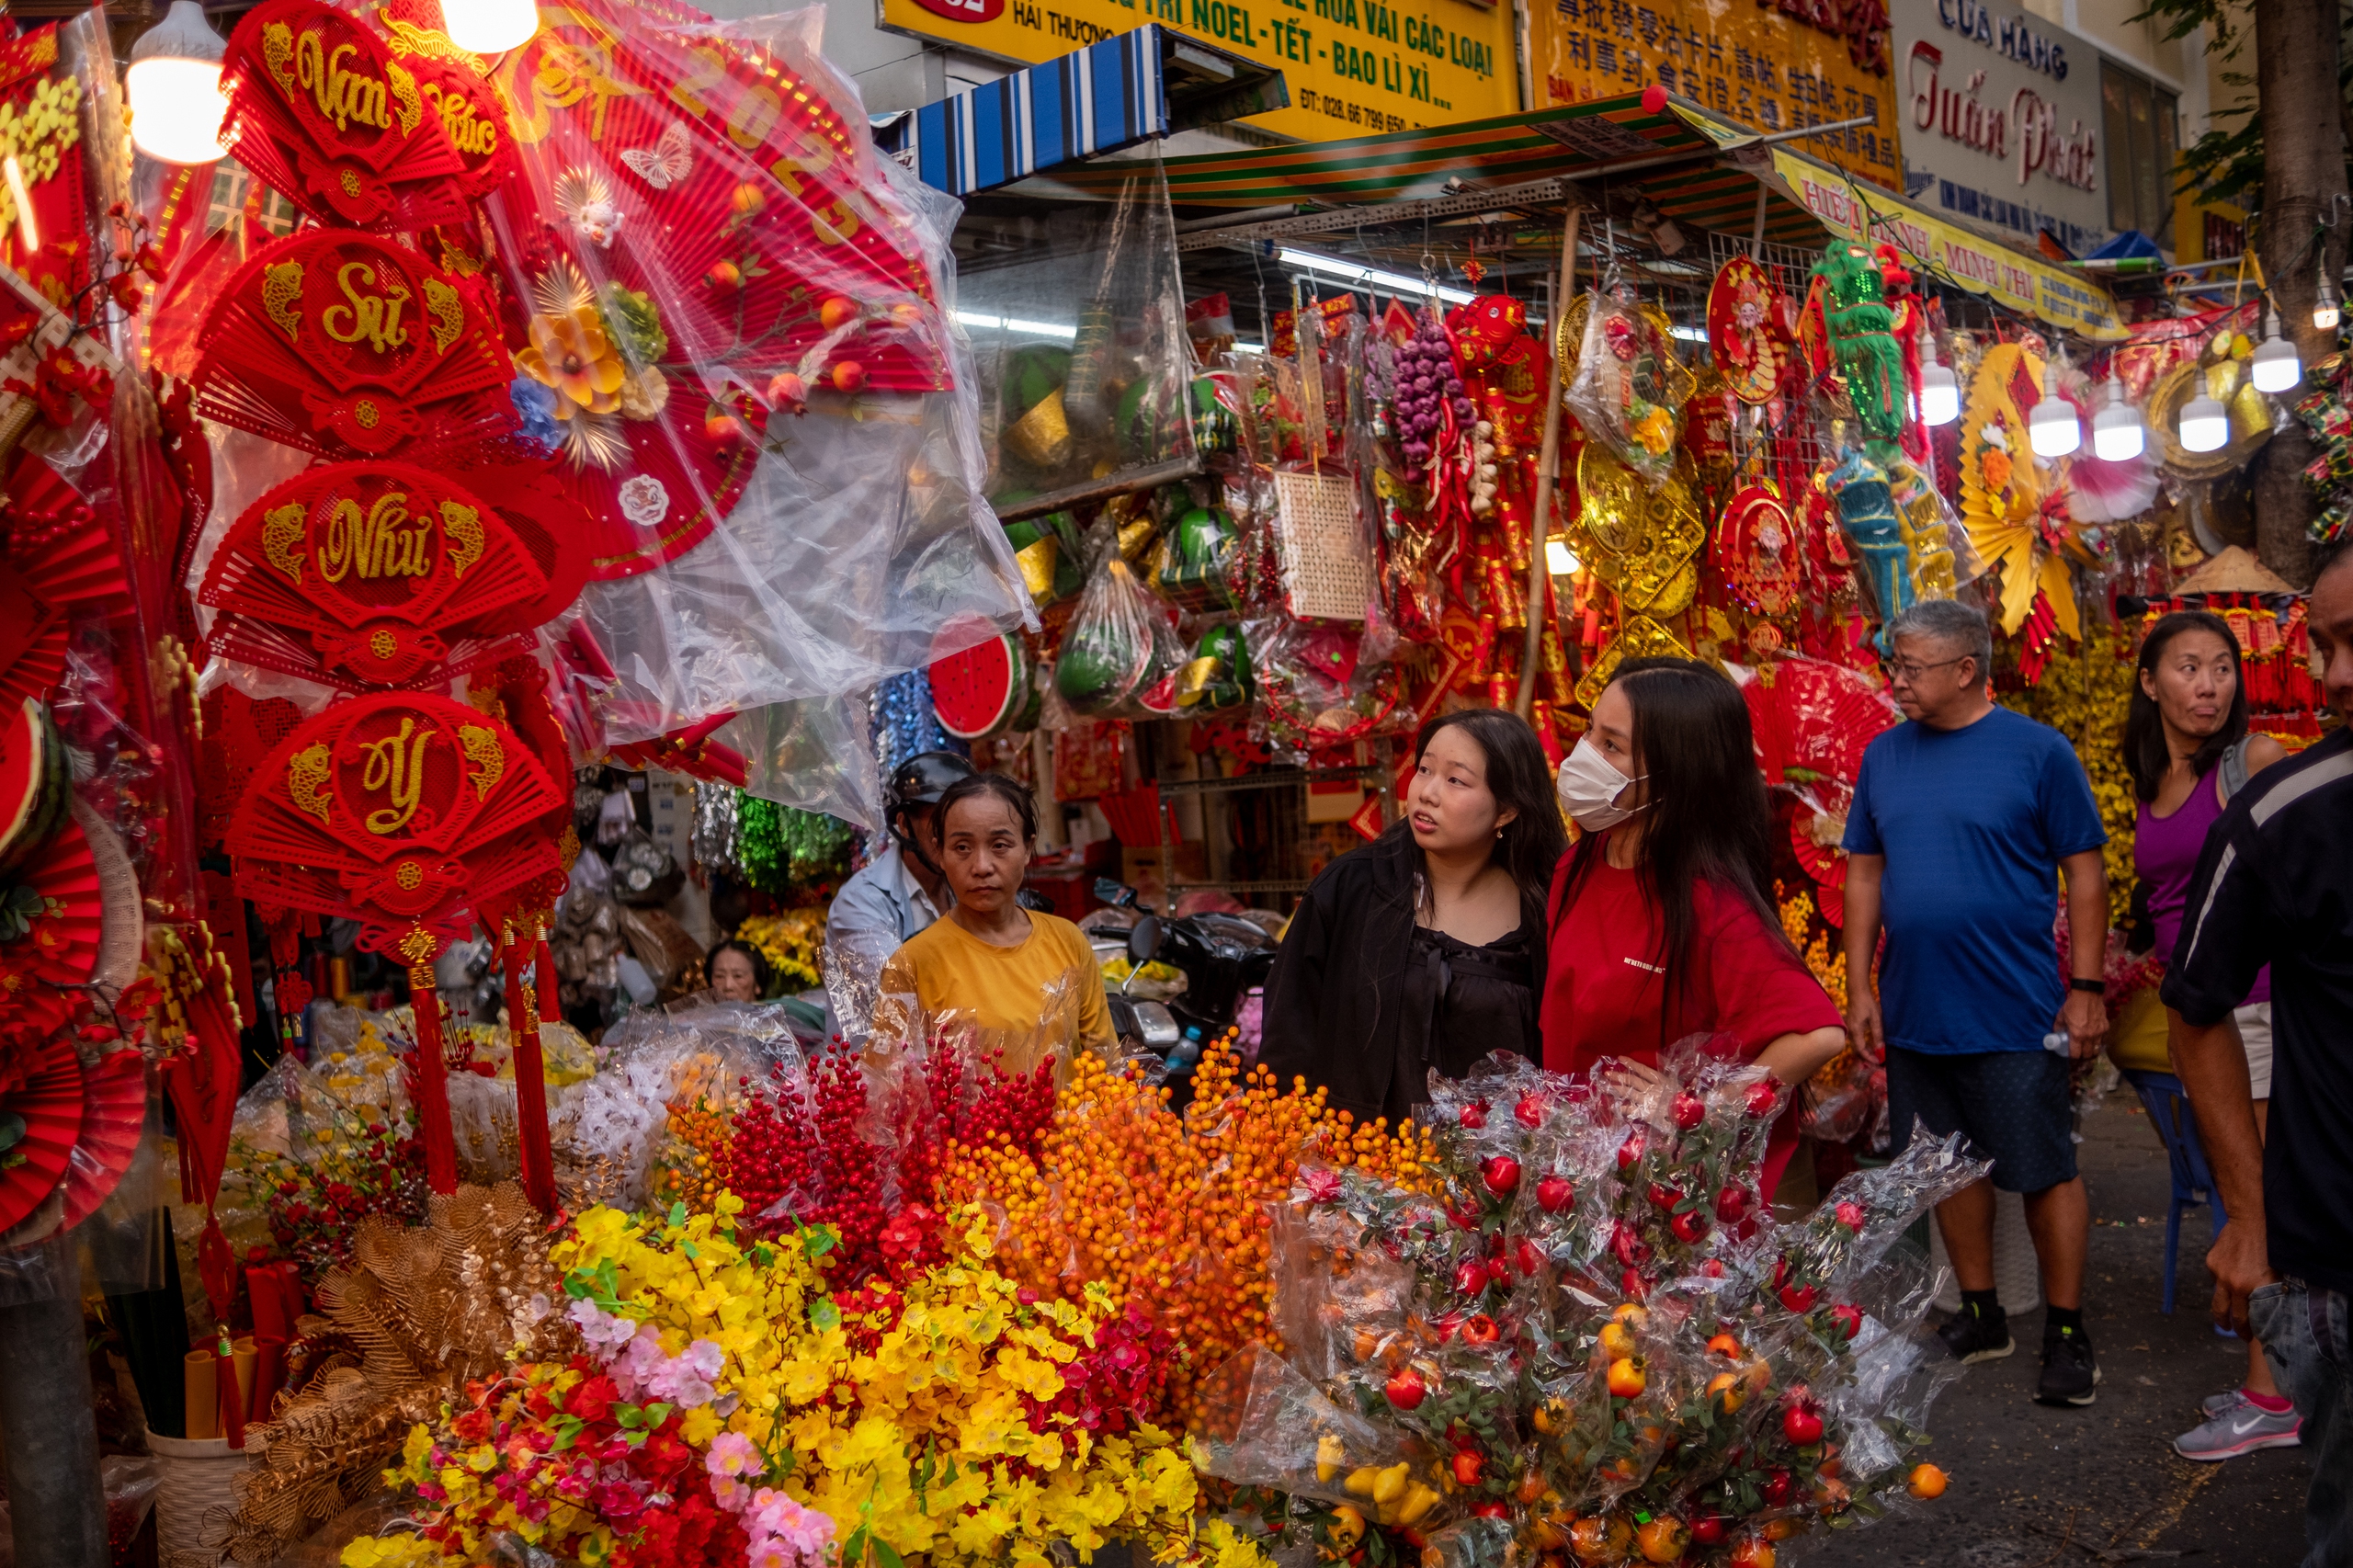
2187, 747
1424, 949
1661, 923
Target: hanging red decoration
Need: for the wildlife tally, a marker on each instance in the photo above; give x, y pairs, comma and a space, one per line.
321, 112
369, 574
1749, 330
350, 346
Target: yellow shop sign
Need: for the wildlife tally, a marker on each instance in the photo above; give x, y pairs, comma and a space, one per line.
1354, 66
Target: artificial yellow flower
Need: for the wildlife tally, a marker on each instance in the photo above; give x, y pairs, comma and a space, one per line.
572, 354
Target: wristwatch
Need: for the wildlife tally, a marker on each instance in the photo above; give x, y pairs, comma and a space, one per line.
2080, 983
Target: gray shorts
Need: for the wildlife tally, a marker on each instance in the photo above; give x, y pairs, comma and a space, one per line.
2013, 1106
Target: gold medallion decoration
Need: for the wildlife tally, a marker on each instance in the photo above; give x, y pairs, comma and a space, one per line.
1639, 638
1639, 541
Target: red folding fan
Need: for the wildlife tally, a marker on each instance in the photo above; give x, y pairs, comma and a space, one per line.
321, 112
49, 1098
472, 115
114, 1112
368, 574
67, 568
1812, 720
399, 810
347, 345
42, 967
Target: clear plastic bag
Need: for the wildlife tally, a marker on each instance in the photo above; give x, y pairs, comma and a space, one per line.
1630, 388
1121, 653
1268, 1426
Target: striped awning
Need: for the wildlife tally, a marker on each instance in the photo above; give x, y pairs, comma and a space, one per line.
1145, 83
1673, 156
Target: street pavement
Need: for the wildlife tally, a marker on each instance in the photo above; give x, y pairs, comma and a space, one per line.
2041, 1488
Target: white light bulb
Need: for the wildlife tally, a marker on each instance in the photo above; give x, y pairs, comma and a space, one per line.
2118, 434
2205, 425
2275, 366
491, 26
1940, 395
2052, 429
2324, 307
1558, 560
176, 104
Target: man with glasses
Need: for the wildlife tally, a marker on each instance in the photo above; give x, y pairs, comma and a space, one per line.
1962, 820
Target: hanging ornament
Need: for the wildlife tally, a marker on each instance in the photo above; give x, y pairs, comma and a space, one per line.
1851, 293
1745, 313
2014, 520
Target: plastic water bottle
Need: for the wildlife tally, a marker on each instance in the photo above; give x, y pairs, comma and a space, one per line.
2056, 1042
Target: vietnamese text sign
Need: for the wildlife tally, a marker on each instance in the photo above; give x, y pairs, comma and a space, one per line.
1947, 253
1762, 65
1354, 66
2001, 120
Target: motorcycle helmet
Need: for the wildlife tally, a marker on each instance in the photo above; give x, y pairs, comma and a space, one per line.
920, 781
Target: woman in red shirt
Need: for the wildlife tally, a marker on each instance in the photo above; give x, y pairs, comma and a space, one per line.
1659, 923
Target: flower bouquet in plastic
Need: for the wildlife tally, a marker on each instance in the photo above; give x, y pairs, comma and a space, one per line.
1582, 1336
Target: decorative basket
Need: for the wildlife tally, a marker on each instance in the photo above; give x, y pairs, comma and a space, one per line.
193, 1505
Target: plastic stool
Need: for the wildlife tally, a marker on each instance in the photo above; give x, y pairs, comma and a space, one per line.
2193, 1183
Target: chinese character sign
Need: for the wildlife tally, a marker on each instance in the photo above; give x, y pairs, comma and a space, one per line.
1773, 64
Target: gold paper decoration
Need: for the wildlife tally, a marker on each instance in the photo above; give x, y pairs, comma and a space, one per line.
1641, 540
2001, 494
1639, 638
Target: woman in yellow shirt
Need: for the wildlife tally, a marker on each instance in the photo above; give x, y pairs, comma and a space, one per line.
1025, 982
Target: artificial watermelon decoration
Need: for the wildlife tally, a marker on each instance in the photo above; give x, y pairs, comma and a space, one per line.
1046, 550
1218, 676
987, 689
36, 786
1106, 653
1193, 560
1036, 427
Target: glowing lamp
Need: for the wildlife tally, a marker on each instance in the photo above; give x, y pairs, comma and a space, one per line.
2325, 306
2052, 429
491, 26
1558, 560
2205, 425
1939, 389
2118, 434
2275, 366
176, 104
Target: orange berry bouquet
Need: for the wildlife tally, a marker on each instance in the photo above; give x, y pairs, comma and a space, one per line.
1532, 1351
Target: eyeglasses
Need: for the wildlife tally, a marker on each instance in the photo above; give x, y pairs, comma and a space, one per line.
1912, 669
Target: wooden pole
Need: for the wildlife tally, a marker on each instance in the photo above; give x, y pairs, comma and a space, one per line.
1541, 535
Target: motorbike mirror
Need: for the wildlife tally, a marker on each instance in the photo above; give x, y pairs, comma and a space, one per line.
1117, 894
1143, 942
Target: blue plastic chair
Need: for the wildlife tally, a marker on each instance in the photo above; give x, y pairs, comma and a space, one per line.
2193, 1184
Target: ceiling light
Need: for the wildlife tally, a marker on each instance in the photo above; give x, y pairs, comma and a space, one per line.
2052, 429
176, 104
1370, 276
1558, 560
2205, 425
2275, 365
491, 26
2118, 434
2325, 306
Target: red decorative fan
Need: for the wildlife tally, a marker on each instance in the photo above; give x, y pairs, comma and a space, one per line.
114, 1113
399, 810
321, 112
472, 115
75, 572
49, 1100
1812, 721
238, 733
1825, 863
548, 524
350, 345
369, 574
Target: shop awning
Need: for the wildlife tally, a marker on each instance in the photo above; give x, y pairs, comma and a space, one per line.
1671, 156
1943, 252
1112, 95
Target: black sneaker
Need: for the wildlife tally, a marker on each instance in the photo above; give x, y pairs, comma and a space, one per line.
2069, 1372
1972, 1335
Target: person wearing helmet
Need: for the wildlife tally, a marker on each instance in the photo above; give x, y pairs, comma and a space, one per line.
901, 891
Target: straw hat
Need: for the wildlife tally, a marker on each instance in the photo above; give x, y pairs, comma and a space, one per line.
2234, 571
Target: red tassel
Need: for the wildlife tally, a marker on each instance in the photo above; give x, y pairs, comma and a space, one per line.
530, 1080
432, 1083
550, 1011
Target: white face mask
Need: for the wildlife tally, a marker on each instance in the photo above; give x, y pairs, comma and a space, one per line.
1589, 784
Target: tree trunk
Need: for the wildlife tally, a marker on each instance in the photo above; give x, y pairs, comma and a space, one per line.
2303, 183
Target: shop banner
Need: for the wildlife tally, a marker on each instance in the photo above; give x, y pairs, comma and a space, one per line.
1766, 65
2001, 120
1353, 67
1944, 253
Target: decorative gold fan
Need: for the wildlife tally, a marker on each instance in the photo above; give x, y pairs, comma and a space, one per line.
2002, 493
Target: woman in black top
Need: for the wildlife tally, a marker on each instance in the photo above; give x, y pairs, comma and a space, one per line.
1425, 948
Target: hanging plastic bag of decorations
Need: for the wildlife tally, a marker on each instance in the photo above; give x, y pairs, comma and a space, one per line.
1320, 692
1077, 324
1121, 653
1630, 387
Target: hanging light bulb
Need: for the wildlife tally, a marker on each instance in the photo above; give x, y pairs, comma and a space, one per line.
2275, 365
2118, 434
2324, 305
2205, 425
1558, 558
491, 26
1939, 389
176, 104
2052, 429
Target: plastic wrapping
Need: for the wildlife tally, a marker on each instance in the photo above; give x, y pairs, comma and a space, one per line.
1077, 324
812, 754
1121, 653
1269, 1427
1629, 387
1321, 691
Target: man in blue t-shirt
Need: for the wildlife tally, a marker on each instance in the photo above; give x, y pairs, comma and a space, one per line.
1962, 822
